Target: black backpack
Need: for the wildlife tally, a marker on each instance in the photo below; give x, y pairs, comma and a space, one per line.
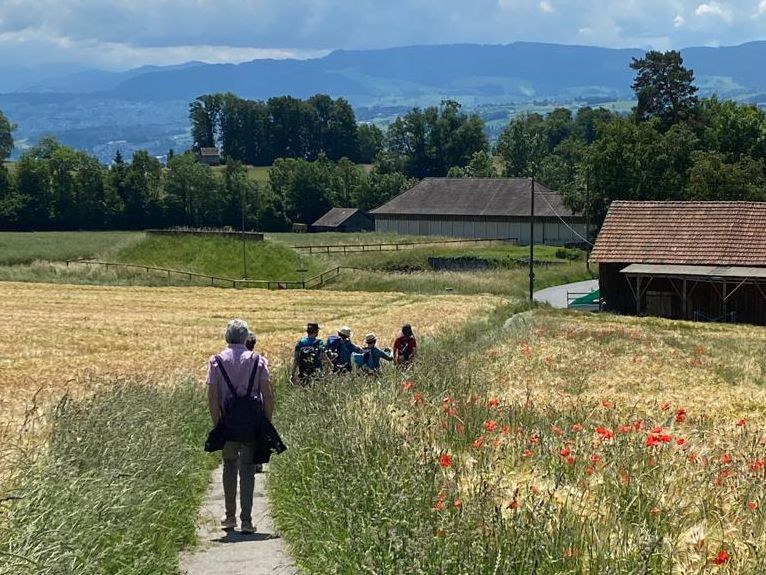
242, 415
307, 359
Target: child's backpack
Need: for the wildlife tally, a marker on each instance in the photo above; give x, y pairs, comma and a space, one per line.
308, 358
333, 348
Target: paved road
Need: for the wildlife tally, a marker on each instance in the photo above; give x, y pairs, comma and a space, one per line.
232, 553
556, 296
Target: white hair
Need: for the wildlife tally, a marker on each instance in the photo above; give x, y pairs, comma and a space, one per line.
237, 331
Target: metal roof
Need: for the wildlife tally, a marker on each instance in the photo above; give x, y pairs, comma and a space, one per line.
685, 233
732, 272
335, 217
209, 152
488, 197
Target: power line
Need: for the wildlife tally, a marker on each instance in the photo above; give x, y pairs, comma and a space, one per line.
571, 229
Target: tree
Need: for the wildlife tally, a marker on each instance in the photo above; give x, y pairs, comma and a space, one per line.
191, 191
522, 145
6, 137
371, 139
139, 187
377, 189
204, 116
482, 165
712, 178
664, 87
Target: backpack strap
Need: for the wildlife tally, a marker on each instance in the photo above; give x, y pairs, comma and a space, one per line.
226, 375
252, 376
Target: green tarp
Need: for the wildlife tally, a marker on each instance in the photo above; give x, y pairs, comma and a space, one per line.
588, 299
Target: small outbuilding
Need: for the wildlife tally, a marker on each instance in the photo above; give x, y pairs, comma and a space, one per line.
210, 156
481, 208
684, 260
344, 220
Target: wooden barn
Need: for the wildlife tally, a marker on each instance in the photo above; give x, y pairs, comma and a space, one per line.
486, 208
344, 220
210, 156
684, 260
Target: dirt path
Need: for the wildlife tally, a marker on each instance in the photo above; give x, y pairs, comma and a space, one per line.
231, 552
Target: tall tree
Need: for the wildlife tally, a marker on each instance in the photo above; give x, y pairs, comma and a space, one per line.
371, 139
522, 145
204, 115
6, 137
664, 87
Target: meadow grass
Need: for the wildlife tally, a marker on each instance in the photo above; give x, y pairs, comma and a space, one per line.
343, 238
531, 448
26, 247
114, 490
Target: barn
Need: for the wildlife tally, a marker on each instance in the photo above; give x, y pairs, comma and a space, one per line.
488, 208
344, 220
684, 260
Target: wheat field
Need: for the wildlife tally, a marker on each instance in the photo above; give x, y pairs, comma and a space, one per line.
57, 338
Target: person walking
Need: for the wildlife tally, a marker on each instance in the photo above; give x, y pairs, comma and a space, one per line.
234, 372
372, 355
405, 347
341, 348
309, 357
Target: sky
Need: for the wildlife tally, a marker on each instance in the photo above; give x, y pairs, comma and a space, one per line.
120, 35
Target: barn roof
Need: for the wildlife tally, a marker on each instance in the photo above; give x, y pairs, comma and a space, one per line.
335, 217
208, 152
686, 233
498, 197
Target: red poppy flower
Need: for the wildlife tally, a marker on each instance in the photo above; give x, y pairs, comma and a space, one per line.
490, 425
513, 504
526, 350
458, 504
478, 442
439, 505
445, 460
506, 429
534, 439
571, 460
605, 433
722, 557
557, 430
460, 428
680, 441
741, 423
680, 415
446, 400
624, 428
589, 470
526, 453
726, 459
638, 425
654, 511
608, 404
493, 402
565, 452
757, 465
752, 505
665, 406
417, 399
595, 458
656, 430
577, 427
408, 385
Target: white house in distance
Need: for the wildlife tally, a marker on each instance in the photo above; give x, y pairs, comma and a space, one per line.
487, 208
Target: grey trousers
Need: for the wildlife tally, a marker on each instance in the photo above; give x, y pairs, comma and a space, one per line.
238, 457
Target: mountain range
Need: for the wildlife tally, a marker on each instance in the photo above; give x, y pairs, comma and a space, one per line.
94, 107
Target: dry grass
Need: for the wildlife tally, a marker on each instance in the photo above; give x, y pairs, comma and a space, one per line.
59, 337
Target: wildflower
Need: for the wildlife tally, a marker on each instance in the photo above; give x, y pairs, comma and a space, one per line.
557, 430
408, 385
513, 504
680, 415
458, 504
741, 423
506, 429
665, 406
445, 460
452, 412
657, 430
607, 404
624, 477
548, 362
605, 433
417, 399
568, 552
446, 400
460, 428
439, 505
624, 428
595, 458
752, 505
680, 441
692, 458
526, 453
493, 402
571, 460
565, 452
654, 511
526, 350
535, 489
490, 425
478, 442
534, 438
726, 459
577, 427
721, 558
638, 425
757, 465
589, 470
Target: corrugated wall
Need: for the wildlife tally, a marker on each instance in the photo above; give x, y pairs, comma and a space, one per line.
548, 231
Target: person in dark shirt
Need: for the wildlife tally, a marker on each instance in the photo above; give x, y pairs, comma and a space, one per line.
341, 348
405, 347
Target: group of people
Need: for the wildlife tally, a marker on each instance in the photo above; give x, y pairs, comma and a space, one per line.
313, 357
239, 386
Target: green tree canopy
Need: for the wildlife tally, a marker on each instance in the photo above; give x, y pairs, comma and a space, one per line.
664, 87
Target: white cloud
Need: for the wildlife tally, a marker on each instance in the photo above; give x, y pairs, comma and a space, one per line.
715, 9
761, 10
548, 8
679, 21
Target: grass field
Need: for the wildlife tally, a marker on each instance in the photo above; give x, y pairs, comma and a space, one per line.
340, 238
26, 247
563, 443
59, 337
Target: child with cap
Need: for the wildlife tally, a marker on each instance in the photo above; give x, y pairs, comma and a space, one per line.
341, 349
373, 355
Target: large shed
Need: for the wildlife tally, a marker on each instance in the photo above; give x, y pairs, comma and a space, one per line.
684, 260
343, 220
489, 208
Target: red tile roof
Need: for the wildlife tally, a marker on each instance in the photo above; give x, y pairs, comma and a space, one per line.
689, 233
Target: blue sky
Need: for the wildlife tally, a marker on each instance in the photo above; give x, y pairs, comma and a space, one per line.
122, 34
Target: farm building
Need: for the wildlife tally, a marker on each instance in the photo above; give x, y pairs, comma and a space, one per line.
209, 156
684, 260
344, 220
489, 208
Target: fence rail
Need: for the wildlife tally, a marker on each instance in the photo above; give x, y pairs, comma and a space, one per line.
313, 282
344, 249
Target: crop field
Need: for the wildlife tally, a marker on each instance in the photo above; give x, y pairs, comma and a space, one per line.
560, 443
59, 337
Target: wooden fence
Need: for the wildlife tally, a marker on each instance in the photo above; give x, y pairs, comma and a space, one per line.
344, 249
313, 282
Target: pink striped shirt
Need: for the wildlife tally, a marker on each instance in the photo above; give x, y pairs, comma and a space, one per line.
238, 362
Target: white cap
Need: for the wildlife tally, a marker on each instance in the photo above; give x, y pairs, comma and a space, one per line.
345, 330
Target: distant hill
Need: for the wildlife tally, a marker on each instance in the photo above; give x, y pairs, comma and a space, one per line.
147, 107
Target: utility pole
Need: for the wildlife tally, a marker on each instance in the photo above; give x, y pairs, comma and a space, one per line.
587, 219
244, 240
532, 242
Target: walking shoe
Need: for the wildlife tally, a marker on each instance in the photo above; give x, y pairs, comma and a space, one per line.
228, 523
247, 527
259, 468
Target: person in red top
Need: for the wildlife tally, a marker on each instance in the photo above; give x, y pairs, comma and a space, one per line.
405, 346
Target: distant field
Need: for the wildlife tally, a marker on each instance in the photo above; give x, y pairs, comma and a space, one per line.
26, 247
340, 238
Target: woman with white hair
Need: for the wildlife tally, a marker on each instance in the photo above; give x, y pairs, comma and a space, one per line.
237, 372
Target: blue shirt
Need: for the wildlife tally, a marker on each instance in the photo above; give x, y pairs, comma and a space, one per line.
307, 341
373, 357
